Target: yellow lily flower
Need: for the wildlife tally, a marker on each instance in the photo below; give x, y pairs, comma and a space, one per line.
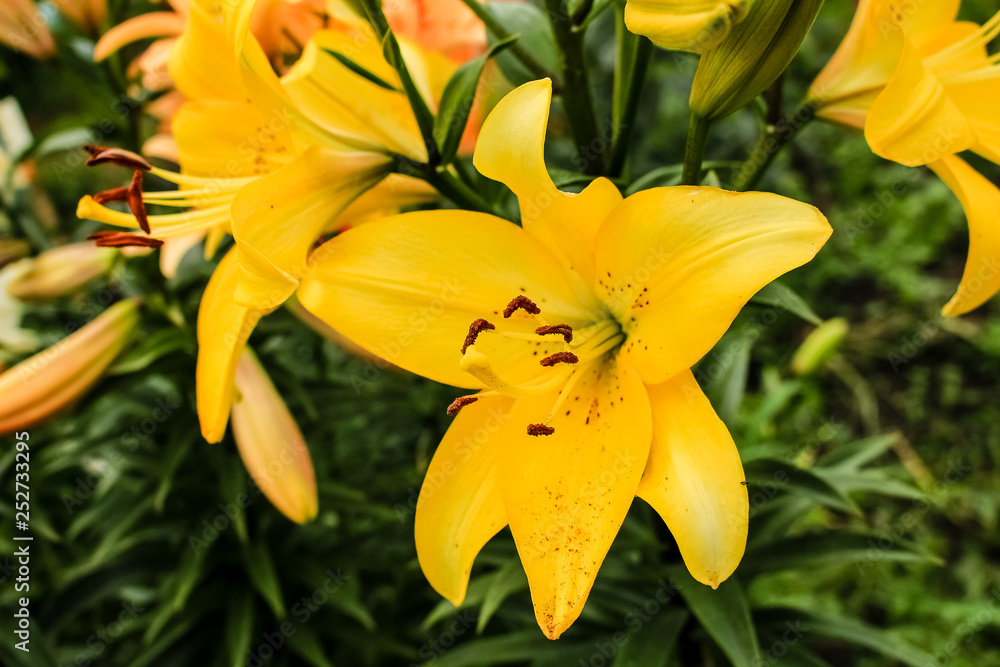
579, 329
684, 25
277, 162
44, 384
921, 85
271, 444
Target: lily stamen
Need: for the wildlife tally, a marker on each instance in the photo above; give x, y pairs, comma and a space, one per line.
565, 330
459, 403
540, 429
476, 328
523, 303
135, 202
559, 358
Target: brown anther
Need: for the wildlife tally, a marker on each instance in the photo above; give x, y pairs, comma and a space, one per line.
135, 201
119, 156
559, 358
460, 403
123, 240
475, 329
540, 429
114, 194
565, 330
522, 302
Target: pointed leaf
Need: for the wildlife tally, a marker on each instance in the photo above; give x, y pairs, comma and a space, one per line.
807, 552
724, 614
782, 296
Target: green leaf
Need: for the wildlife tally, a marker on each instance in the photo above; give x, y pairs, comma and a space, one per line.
457, 99
727, 367
767, 475
872, 481
175, 457
347, 599
724, 614
508, 579
807, 552
652, 644
239, 627
361, 71
534, 34
851, 631
782, 296
855, 454
516, 646
263, 576
147, 350
305, 643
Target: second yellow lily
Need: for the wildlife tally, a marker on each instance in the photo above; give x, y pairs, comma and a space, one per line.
923, 88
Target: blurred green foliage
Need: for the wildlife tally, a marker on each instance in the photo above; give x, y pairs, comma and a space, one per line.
873, 538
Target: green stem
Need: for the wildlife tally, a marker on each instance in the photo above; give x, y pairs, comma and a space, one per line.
446, 183
576, 94
694, 150
483, 12
771, 141
630, 72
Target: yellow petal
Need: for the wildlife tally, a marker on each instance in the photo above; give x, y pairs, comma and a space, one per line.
694, 480
913, 121
676, 265
348, 105
407, 287
23, 27
224, 139
682, 24
277, 218
223, 330
271, 444
567, 493
511, 149
41, 385
202, 63
981, 200
460, 508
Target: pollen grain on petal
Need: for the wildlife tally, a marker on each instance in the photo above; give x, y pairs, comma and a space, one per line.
459, 403
559, 358
540, 429
120, 156
522, 302
135, 201
123, 240
475, 329
564, 330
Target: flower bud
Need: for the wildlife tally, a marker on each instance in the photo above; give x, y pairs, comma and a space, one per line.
23, 27
753, 55
60, 271
684, 25
819, 346
271, 444
41, 385
87, 15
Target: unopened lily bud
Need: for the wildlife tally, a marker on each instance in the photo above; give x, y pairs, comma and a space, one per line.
12, 250
819, 346
23, 27
685, 25
60, 271
41, 385
271, 444
753, 55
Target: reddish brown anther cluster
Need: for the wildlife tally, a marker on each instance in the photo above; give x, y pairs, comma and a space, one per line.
540, 429
133, 193
522, 302
123, 240
560, 358
564, 330
123, 158
475, 329
459, 403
